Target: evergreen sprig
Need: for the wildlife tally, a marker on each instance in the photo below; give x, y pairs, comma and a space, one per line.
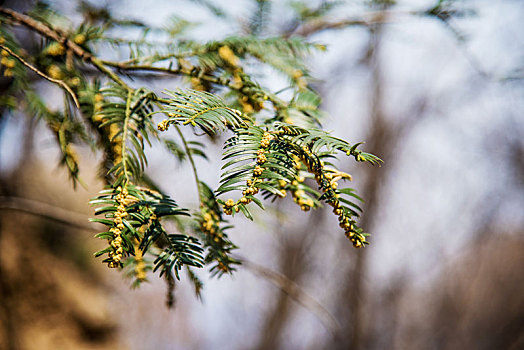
126, 113
275, 146
201, 109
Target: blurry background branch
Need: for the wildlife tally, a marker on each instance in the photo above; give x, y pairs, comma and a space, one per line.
295, 292
45, 210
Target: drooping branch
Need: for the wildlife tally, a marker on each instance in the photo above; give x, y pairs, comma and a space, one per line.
58, 36
295, 292
48, 211
59, 82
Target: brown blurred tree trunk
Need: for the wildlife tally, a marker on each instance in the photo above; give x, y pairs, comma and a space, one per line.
293, 256
382, 140
378, 142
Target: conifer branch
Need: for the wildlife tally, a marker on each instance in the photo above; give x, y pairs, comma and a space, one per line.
267, 154
59, 82
195, 72
61, 38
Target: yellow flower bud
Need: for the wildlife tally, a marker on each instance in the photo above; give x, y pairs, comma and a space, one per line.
257, 171
79, 39
75, 81
55, 49
163, 125
297, 73
228, 55
10, 63
54, 72
99, 97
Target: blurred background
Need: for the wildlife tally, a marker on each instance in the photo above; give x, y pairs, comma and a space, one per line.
434, 88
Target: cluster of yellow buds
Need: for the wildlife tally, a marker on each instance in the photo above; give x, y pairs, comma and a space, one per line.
258, 171
98, 106
116, 243
228, 55
299, 197
116, 143
261, 157
304, 202
298, 76
210, 225
251, 104
246, 106
55, 72
163, 125
229, 206
196, 84
80, 39
259, 168
237, 82
71, 157
251, 189
283, 185
74, 81
359, 157
266, 139
111, 129
326, 179
8, 63
347, 225
140, 265
55, 49
334, 175
222, 267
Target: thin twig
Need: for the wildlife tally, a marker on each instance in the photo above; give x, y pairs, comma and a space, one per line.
155, 58
43, 75
295, 292
371, 18
177, 71
58, 36
195, 73
48, 211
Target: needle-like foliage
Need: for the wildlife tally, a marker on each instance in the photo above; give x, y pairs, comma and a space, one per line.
274, 145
